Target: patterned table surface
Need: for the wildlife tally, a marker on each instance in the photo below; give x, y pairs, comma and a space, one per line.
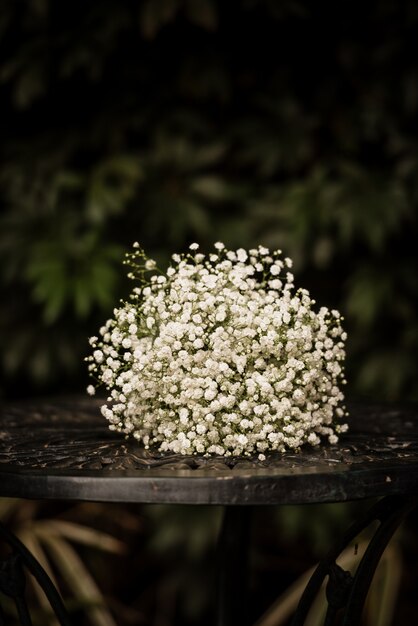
63, 449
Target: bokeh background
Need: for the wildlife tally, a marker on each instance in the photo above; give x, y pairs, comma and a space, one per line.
291, 124
168, 121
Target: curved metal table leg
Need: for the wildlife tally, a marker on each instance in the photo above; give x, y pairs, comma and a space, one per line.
13, 580
345, 592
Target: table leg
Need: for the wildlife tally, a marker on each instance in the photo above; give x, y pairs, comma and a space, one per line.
232, 566
345, 593
13, 579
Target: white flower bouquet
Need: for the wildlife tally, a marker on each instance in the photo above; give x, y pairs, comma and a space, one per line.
220, 355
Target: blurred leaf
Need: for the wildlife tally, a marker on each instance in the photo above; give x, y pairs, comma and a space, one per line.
210, 187
7, 507
368, 295
384, 592
79, 534
154, 14
278, 137
29, 86
75, 271
79, 580
197, 219
202, 13
112, 183
33, 545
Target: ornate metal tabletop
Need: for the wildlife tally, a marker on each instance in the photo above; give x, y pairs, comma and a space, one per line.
63, 449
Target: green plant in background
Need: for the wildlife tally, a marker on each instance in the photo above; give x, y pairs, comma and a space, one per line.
114, 132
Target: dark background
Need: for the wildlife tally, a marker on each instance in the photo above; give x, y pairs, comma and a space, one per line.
291, 124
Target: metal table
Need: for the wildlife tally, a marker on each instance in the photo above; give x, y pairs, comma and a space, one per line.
64, 450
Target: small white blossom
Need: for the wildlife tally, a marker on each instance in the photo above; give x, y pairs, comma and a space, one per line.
150, 264
98, 356
242, 255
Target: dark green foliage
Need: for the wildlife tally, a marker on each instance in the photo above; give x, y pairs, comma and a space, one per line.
291, 124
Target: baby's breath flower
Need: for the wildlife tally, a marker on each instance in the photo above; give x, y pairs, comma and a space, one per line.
220, 355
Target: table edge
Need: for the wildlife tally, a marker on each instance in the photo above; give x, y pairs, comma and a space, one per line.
191, 487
